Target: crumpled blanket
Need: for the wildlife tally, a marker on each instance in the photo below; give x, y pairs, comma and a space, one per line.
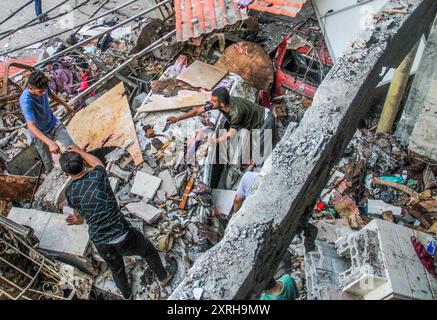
426, 259
62, 80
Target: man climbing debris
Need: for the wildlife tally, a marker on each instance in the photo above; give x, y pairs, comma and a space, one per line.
43, 125
240, 113
91, 196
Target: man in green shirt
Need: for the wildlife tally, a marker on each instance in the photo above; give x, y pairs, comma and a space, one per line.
282, 289
239, 112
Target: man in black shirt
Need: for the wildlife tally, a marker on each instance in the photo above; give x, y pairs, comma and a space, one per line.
91, 197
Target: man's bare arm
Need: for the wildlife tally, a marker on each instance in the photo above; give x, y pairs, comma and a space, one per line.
192, 113
228, 135
238, 202
93, 161
55, 98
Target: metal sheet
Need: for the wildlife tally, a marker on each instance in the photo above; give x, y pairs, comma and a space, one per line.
196, 17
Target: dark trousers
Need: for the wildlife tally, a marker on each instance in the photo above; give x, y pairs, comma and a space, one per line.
38, 7
135, 244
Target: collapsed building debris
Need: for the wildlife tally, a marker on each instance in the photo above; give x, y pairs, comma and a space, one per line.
182, 200
302, 161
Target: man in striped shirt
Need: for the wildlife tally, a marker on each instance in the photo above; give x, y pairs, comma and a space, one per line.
91, 197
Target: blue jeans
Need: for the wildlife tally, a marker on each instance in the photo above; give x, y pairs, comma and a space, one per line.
38, 8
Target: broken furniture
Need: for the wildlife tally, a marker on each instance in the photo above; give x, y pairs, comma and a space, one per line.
26, 274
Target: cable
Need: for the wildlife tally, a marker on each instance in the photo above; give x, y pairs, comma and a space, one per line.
16, 11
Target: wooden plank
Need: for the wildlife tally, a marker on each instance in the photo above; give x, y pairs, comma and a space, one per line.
184, 99
16, 187
202, 75
107, 122
186, 193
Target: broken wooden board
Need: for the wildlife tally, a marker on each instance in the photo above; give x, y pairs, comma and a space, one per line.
16, 187
250, 61
201, 74
184, 99
107, 122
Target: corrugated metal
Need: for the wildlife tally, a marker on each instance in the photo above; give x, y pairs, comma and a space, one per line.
285, 7
196, 17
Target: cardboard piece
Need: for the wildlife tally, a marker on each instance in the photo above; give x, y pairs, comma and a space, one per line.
201, 74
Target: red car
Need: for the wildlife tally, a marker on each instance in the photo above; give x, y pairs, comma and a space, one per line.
300, 67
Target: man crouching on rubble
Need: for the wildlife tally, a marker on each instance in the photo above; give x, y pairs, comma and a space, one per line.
239, 112
91, 197
44, 126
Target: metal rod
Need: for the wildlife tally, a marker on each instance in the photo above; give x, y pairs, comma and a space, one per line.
19, 270
31, 281
16, 11
146, 50
29, 22
64, 31
28, 257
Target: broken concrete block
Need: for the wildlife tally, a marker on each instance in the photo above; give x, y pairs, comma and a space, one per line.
52, 230
197, 292
138, 101
67, 210
148, 169
223, 200
118, 172
379, 206
144, 211
167, 184
114, 183
162, 196
145, 185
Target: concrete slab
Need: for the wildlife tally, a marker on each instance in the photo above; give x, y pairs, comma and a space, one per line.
118, 172
223, 200
52, 230
168, 184
144, 211
145, 185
